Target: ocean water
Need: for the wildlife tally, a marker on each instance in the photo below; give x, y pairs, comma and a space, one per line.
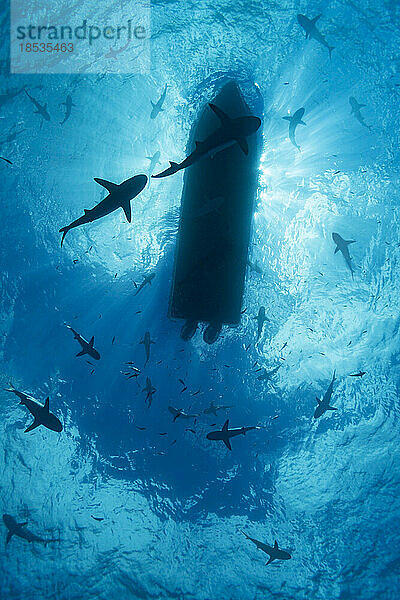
173, 503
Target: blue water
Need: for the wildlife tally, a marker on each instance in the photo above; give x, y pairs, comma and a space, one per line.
174, 504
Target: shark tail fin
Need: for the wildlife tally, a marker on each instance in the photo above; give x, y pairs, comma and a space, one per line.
330, 48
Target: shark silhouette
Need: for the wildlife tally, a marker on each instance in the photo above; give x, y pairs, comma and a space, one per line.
323, 405
68, 106
309, 26
294, 120
260, 318
147, 341
214, 408
230, 132
20, 530
225, 434
87, 347
41, 414
274, 552
343, 246
158, 106
120, 196
41, 109
355, 110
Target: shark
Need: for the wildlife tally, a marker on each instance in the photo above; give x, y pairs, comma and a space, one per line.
358, 374
41, 109
294, 120
120, 196
225, 434
87, 347
312, 33
68, 106
146, 281
154, 161
260, 318
158, 106
20, 530
147, 341
179, 413
343, 246
150, 390
267, 375
41, 414
231, 131
214, 408
323, 405
355, 110
274, 552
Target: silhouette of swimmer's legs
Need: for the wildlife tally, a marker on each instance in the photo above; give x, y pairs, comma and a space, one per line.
189, 329
212, 332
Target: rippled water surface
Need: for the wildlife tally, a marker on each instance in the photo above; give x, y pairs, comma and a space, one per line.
174, 504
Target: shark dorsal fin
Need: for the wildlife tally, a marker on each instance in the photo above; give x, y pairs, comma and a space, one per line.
226, 425
91, 341
111, 187
315, 19
223, 117
318, 400
276, 545
173, 164
46, 404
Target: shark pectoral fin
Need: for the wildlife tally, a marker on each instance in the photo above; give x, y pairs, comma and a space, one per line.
81, 353
269, 561
46, 404
111, 187
9, 536
315, 19
220, 113
331, 408
22, 524
91, 341
227, 444
348, 242
243, 144
226, 425
302, 123
336, 249
127, 210
198, 146
33, 425
287, 118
